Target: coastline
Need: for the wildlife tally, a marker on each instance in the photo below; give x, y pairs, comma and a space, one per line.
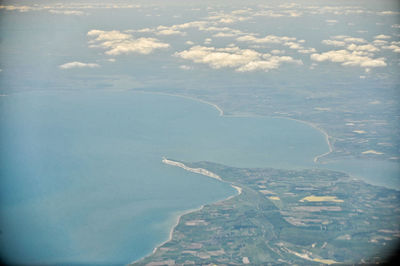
327, 137
200, 171
210, 174
171, 232
221, 113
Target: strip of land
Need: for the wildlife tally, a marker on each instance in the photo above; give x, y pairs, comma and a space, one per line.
287, 217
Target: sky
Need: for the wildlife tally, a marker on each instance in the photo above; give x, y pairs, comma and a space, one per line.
176, 44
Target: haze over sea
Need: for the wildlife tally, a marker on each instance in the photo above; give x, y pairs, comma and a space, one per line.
93, 187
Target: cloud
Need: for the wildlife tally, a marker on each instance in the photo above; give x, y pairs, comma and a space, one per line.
77, 64
223, 18
382, 36
17, 8
266, 39
116, 43
290, 42
349, 39
347, 58
67, 12
276, 51
334, 42
386, 13
170, 32
207, 41
331, 21
379, 42
242, 60
365, 47
393, 47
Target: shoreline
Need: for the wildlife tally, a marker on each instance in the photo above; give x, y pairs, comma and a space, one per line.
221, 113
171, 232
326, 135
204, 172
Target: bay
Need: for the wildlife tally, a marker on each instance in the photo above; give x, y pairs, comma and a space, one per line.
82, 179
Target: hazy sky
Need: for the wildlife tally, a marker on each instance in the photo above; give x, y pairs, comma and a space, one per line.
183, 44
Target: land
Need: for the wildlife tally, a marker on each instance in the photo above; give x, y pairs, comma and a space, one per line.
361, 121
302, 217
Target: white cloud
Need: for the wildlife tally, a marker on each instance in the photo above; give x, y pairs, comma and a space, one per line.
307, 50
17, 8
382, 36
224, 18
396, 26
334, 42
385, 13
331, 21
170, 32
77, 64
116, 43
394, 48
293, 45
242, 60
266, 39
365, 47
276, 51
379, 42
347, 58
67, 12
290, 42
349, 39
207, 41
189, 42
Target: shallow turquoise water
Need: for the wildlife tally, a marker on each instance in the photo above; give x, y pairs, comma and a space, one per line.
81, 173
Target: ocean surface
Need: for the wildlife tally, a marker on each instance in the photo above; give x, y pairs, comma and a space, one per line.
82, 179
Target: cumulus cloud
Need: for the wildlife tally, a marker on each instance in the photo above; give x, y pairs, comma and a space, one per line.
334, 42
116, 43
382, 36
266, 39
349, 39
393, 47
223, 18
347, 58
170, 32
290, 42
242, 60
77, 64
365, 47
379, 42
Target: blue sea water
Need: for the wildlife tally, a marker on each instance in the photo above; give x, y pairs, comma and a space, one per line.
82, 179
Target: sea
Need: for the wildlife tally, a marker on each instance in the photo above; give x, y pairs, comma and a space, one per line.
82, 178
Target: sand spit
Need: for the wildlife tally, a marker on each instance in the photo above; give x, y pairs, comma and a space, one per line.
193, 170
178, 218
